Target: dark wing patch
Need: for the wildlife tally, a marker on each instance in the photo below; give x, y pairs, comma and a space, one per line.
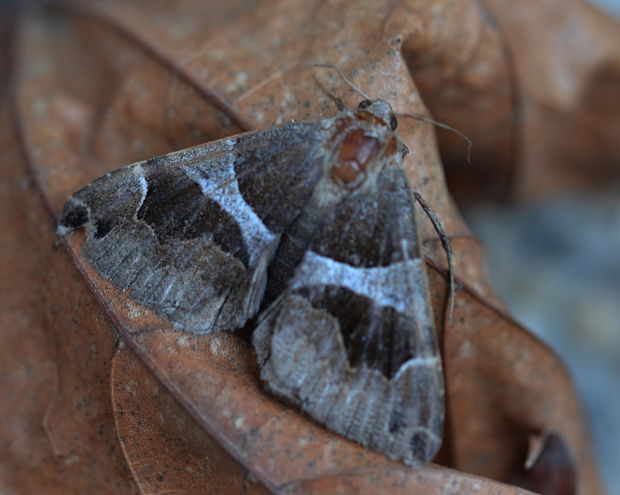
360, 232
176, 208
262, 186
103, 226
377, 337
73, 217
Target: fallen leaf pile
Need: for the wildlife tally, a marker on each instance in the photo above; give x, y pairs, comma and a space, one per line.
99, 395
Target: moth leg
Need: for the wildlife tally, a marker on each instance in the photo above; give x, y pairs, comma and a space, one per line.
445, 242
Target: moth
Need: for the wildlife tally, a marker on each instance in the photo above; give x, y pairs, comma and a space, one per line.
312, 227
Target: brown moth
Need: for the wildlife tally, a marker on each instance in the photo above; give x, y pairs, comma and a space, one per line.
312, 227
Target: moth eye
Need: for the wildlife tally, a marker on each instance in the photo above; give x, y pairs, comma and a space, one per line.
393, 122
364, 104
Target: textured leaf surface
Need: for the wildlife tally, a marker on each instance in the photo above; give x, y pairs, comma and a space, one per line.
101, 85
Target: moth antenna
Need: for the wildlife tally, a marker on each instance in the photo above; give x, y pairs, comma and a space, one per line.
422, 118
338, 101
346, 80
447, 247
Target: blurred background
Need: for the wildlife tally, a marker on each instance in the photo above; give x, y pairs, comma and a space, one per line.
611, 6
566, 288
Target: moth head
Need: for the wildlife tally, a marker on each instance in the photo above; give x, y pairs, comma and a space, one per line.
377, 112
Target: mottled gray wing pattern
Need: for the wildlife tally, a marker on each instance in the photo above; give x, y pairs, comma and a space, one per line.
351, 340
189, 234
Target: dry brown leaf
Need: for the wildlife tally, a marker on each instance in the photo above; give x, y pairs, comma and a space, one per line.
533, 84
100, 85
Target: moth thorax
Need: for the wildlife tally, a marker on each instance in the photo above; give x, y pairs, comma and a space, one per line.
356, 152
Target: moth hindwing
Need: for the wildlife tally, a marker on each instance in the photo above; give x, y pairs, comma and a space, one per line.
311, 226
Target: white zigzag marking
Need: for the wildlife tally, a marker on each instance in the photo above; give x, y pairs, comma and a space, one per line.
386, 285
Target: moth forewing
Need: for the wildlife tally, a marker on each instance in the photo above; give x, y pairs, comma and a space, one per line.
347, 341
187, 233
